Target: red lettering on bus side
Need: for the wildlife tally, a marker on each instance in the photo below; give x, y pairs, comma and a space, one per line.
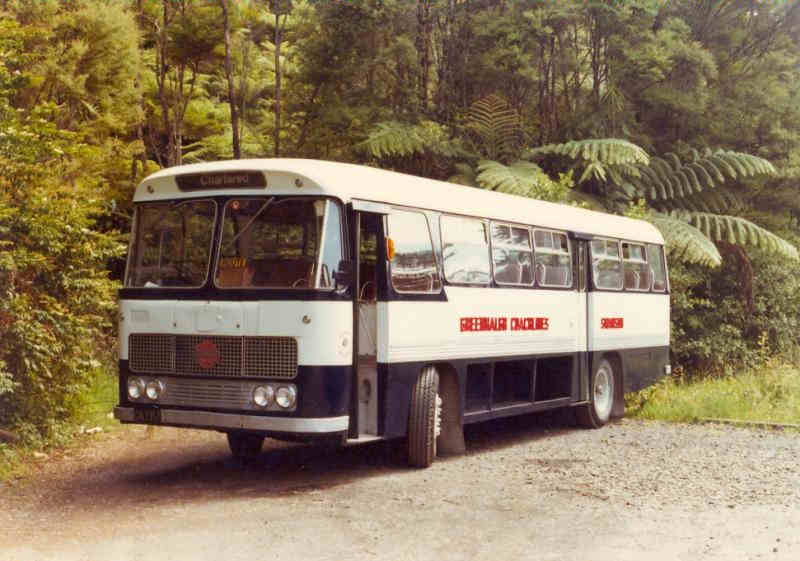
530, 324
483, 324
612, 323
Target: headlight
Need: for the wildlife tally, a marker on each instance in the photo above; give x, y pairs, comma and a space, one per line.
263, 395
286, 396
135, 388
154, 389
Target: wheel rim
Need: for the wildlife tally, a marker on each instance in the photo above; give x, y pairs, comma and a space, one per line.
603, 392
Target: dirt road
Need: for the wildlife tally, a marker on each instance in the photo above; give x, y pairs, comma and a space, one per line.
529, 488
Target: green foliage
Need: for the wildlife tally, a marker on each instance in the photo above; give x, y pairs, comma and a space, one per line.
494, 128
57, 299
395, 139
738, 231
522, 178
684, 242
770, 393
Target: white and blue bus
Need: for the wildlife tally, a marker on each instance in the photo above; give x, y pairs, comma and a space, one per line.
302, 299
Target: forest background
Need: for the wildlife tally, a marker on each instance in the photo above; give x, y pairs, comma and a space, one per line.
682, 112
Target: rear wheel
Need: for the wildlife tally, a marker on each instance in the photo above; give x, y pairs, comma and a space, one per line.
597, 412
423, 418
245, 446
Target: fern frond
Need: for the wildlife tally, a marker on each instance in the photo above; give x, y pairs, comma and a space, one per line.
465, 175
495, 126
684, 242
608, 151
738, 231
520, 178
396, 139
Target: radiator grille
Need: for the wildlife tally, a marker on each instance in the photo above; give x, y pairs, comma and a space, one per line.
216, 394
261, 357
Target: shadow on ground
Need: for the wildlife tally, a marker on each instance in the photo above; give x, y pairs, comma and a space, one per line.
155, 473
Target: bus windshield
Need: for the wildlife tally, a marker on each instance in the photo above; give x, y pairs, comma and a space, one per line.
279, 242
171, 244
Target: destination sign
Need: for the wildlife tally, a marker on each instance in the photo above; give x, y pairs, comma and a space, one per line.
245, 179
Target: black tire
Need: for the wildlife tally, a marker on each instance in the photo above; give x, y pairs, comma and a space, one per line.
602, 394
422, 419
245, 446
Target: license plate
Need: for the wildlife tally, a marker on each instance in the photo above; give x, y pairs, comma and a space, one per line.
147, 415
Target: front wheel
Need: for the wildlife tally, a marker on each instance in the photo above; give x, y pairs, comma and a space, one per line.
245, 446
423, 418
597, 412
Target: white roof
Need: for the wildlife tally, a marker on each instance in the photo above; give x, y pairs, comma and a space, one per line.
350, 181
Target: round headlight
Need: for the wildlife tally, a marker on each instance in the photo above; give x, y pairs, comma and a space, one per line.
286, 396
263, 395
135, 388
154, 389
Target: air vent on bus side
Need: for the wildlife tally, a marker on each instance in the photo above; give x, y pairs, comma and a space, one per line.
192, 355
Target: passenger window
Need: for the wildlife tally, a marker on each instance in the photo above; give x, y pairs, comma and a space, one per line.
606, 265
553, 260
635, 268
413, 264
465, 250
512, 255
655, 257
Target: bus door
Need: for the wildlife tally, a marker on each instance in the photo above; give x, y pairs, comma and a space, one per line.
581, 269
369, 274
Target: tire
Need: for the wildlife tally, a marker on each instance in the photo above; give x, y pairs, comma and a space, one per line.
422, 419
245, 446
597, 412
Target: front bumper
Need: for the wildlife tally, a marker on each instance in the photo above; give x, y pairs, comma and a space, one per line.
209, 420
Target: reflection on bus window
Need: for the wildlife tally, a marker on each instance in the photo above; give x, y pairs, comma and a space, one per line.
655, 257
414, 265
606, 265
465, 250
272, 242
171, 244
512, 255
635, 267
553, 260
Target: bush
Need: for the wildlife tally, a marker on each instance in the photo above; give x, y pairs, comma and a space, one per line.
56, 299
715, 329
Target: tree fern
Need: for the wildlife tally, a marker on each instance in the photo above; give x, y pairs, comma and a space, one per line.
521, 178
396, 139
495, 128
684, 242
738, 231
673, 178
606, 151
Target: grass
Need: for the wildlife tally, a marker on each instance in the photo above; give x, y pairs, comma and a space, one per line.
16, 460
768, 394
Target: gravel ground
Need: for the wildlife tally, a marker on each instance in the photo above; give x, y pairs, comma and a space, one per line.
531, 487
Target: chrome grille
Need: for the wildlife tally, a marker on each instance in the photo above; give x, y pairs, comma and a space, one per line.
213, 394
262, 357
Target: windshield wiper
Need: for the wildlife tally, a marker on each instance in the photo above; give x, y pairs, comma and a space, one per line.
250, 223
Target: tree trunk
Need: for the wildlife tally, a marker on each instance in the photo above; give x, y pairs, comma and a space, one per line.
237, 151
277, 133
424, 50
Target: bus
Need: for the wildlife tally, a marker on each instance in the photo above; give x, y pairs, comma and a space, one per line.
302, 299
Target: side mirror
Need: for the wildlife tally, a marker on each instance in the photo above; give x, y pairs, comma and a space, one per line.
344, 274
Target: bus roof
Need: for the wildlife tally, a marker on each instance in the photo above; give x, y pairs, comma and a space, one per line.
350, 181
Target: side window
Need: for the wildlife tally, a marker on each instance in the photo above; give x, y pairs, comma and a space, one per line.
655, 256
635, 268
512, 255
553, 261
465, 250
413, 266
606, 265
